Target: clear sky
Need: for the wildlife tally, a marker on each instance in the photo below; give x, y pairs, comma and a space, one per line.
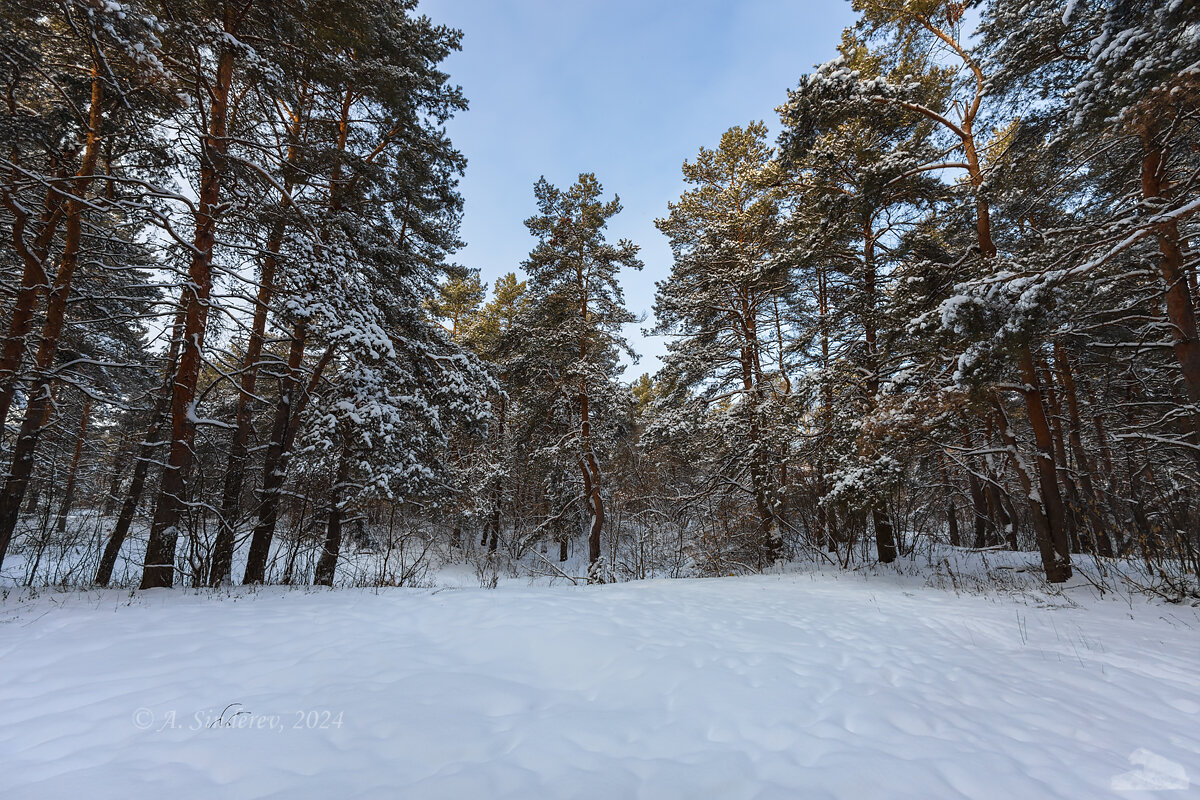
627, 89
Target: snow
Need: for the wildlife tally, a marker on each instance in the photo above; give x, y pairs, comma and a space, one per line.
1068, 11
779, 686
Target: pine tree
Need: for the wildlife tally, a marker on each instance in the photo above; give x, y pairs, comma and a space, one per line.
729, 277
458, 302
390, 215
867, 176
571, 335
101, 66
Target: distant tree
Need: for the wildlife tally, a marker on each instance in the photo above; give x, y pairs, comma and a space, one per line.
570, 335
458, 301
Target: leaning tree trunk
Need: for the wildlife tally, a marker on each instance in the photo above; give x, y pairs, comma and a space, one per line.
1050, 501
1046, 502
235, 469
56, 308
283, 433
159, 570
34, 281
274, 464
1057, 567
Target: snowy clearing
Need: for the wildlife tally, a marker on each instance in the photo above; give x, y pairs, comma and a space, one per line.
780, 686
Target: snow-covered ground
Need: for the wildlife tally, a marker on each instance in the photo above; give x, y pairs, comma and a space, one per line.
779, 686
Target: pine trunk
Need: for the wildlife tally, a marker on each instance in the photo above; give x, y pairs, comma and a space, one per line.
145, 456
283, 433
1180, 307
1056, 566
881, 522
1091, 500
590, 469
275, 463
34, 281
159, 570
39, 405
327, 563
951, 513
1050, 499
235, 468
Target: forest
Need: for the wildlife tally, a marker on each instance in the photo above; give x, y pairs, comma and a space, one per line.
953, 305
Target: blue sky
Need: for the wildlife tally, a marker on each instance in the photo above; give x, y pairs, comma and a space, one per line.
621, 88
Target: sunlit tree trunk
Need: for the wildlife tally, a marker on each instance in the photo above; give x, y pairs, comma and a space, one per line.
39, 402
159, 570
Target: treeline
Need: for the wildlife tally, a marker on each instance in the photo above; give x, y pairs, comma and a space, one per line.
957, 300
954, 303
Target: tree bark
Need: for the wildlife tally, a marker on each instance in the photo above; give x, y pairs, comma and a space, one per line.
1181, 311
591, 488
274, 465
145, 456
235, 468
115, 479
56, 308
979, 507
1050, 498
1091, 500
498, 489
999, 514
951, 513
159, 570
881, 522
34, 281
1056, 559
327, 563
283, 433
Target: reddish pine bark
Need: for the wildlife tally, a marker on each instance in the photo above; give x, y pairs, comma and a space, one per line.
1047, 472
159, 570
34, 282
235, 470
40, 401
1180, 305
141, 466
1056, 559
283, 433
